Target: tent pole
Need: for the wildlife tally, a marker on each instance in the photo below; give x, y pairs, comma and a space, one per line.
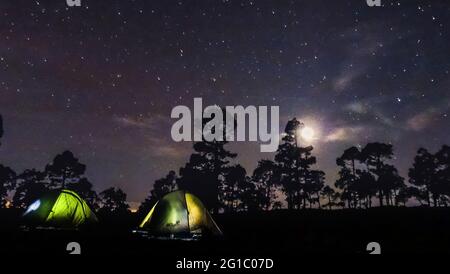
187, 211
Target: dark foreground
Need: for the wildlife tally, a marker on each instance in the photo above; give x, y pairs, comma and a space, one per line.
263, 235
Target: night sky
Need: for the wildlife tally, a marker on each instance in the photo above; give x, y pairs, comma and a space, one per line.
102, 79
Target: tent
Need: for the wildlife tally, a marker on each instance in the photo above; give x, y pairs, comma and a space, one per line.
180, 214
61, 209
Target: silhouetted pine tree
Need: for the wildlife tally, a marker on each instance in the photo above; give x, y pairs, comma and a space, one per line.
423, 175
160, 188
7, 175
328, 193
83, 187
1, 129
252, 195
267, 176
360, 185
113, 201
234, 183
314, 183
205, 172
31, 185
207, 169
374, 156
348, 176
7, 183
443, 175
391, 183
64, 169
430, 175
294, 164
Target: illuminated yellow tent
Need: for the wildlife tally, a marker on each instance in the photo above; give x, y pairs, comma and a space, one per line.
180, 213
62, 209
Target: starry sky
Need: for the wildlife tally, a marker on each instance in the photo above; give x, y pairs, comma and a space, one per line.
102, 79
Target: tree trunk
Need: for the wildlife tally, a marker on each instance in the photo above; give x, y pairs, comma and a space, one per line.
380, 192
289, 200
353, 168
380, 196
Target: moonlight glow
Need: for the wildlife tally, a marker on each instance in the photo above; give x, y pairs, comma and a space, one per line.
308, 134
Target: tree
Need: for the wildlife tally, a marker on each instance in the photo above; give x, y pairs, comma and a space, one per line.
64, 169
160, 188
344, 183
391, 183
349, 180
328, 193
31, 185
287, 158
332, 197
294, 164
405, 194
205, 172
430, 174
314, 182
113, 201
84, 188
423, 173
351, 155
277, 205
252, 195
207, 168
7, 183
292, 128
365, 188
235, 181
374, 155
442, 187
360, 185
309, 179
267, 176
1, 128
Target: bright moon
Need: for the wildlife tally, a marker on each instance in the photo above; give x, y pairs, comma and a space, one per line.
307, 134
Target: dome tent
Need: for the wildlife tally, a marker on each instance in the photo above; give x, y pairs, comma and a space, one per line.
180, 214
60, 209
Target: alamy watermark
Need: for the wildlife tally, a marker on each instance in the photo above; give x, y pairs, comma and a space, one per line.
74, 248
373, 3
77, 3
374, 248
232, 127
73, 3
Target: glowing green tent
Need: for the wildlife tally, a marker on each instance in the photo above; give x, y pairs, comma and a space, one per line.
62, 209
180, 213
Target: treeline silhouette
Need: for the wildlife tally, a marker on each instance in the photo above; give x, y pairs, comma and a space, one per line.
366, 178
65, 171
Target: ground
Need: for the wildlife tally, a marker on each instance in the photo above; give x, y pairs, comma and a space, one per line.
274, 234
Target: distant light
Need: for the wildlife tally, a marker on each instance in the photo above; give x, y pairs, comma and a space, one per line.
34, 206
